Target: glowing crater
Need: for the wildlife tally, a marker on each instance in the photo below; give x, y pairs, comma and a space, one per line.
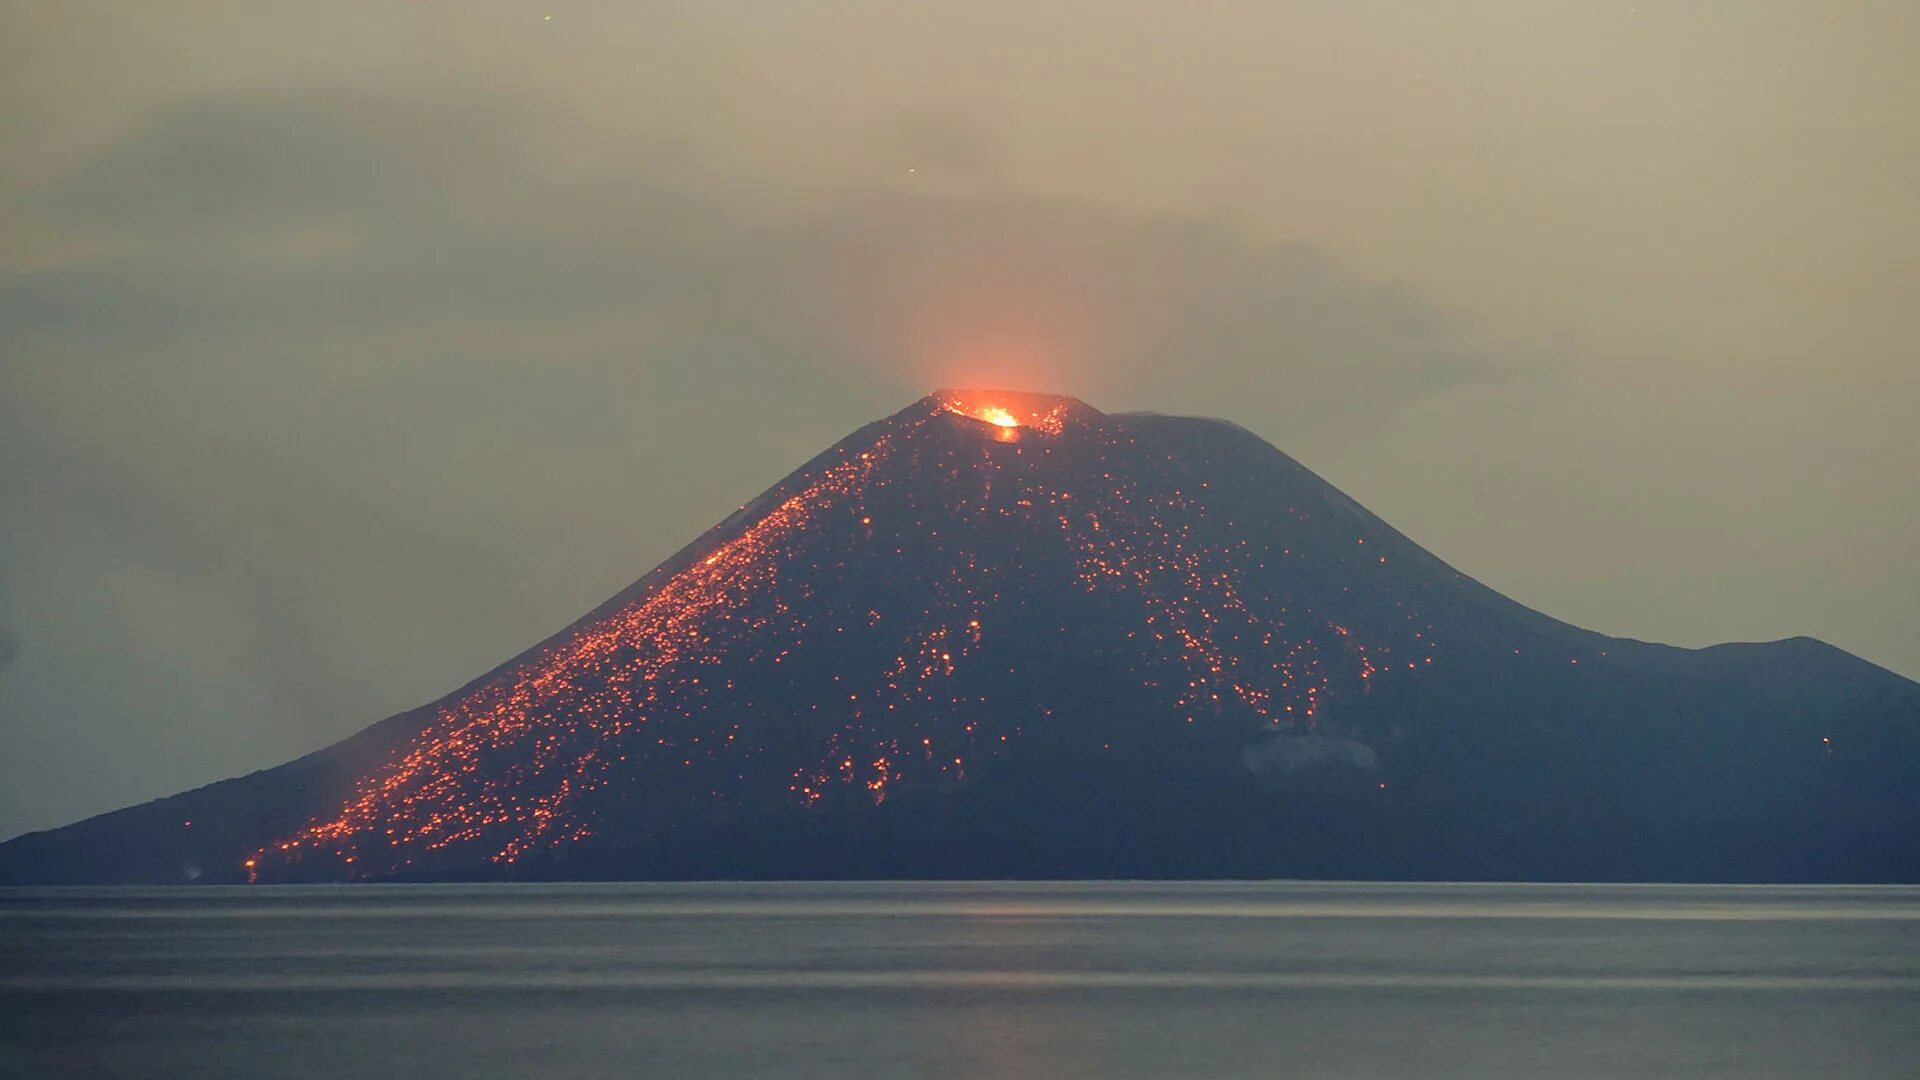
1011, 412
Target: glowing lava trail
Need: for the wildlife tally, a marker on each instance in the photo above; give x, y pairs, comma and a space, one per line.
569, 711
896, 618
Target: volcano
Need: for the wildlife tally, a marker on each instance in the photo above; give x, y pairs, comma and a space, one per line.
1007, 635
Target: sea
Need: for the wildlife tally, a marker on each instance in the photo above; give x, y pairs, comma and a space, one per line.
973, 979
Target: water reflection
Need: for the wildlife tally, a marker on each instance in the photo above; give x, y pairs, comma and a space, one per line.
1108, 979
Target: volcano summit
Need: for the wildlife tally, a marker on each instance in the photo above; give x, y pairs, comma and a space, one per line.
1005, 634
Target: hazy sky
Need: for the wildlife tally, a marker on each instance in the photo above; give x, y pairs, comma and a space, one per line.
347, 349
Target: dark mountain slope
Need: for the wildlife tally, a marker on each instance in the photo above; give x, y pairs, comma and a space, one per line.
1003, 634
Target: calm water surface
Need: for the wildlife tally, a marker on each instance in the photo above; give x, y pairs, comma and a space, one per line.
979, 979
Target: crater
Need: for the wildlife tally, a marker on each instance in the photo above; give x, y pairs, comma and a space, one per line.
1007, 413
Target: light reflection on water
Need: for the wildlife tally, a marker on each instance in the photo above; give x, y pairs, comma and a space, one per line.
961, 979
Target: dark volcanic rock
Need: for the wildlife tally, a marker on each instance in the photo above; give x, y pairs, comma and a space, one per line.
1007, 635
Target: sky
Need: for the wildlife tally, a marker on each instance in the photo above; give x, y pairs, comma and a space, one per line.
348, 349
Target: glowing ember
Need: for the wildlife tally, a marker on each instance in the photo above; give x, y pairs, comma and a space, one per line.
863, 633
1009, 410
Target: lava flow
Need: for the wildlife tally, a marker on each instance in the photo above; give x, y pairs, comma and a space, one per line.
978, 571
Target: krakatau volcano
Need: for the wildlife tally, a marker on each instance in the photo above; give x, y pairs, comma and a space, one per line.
1005, 634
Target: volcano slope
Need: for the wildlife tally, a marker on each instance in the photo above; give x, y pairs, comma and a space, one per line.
1003, 634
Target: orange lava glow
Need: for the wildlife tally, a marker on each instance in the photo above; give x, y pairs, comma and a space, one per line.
636, 702
1008, 410
440, 794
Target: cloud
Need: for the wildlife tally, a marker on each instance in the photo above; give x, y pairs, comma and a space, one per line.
945, 143
1151, 309
312, 217
214, 165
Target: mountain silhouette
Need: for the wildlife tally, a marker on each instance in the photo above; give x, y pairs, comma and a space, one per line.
1003, 634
